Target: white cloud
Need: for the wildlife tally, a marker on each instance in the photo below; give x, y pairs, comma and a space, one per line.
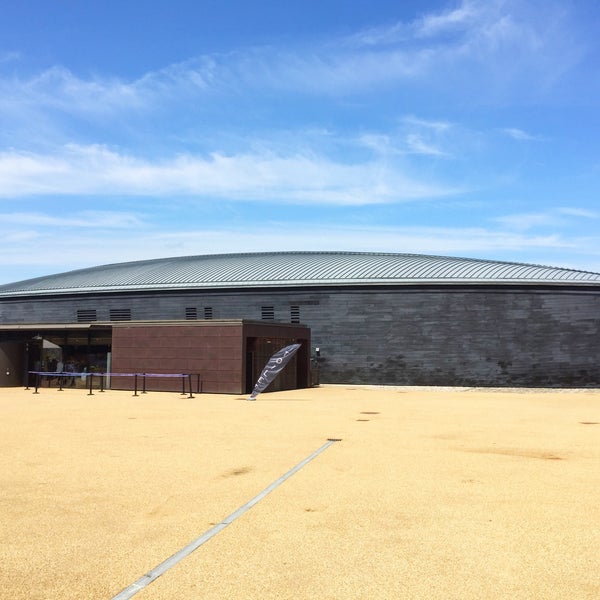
428, 137
465, 16
427, 124
488, 47
418, 145
524, 221
519, 134
296, 178
552, 217
417, 141
485, 46
584, 213
93, 219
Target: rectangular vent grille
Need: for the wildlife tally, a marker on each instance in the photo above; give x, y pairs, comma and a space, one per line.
267, 313
191, 313
294, 314
86, 315
120, 314
208, 312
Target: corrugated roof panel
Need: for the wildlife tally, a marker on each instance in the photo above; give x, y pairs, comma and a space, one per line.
288, 269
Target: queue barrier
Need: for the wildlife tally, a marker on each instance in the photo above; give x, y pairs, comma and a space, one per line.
137, 378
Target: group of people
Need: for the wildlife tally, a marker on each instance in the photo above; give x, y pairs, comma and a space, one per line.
58, 366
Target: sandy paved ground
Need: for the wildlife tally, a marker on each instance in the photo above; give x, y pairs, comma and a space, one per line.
432, 493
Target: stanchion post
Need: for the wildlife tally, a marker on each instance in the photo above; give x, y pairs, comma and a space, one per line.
37, 383
91, 376
189, 377
60, 384
135, 385
143, 383
101, 375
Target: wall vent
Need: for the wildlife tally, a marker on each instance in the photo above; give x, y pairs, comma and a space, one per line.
208, 312
86, 315
267, 313
120, 314
191, 313
294, 314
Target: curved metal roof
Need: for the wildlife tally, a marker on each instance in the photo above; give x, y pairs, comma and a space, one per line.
294, 269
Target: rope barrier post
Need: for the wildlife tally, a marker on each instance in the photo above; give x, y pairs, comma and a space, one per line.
60, 388
198, 383
101, 375
37, 383
190, 381
143, 383
91, 376
135, 385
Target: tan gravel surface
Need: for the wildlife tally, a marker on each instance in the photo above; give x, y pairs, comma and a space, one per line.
432, 493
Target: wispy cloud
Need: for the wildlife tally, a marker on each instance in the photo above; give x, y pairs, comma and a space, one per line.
525, 221
550, 217
417, 144
296, 178
493, 40
465, 16
584, 213
487, 46
77, 250
520, 135
415, 136
90, 219
427, 137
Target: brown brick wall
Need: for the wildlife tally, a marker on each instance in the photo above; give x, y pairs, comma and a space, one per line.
214, 352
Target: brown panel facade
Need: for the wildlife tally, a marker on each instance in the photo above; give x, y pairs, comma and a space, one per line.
221, 356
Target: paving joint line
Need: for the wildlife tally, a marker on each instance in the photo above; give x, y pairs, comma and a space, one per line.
145, 580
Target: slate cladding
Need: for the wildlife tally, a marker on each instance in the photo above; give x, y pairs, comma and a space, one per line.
377, 318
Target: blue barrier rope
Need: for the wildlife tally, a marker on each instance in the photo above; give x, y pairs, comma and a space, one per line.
90, 375
99, 374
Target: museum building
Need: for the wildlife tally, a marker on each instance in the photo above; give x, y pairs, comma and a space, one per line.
361, 318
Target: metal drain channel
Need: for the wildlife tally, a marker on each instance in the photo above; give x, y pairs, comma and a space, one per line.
145, 580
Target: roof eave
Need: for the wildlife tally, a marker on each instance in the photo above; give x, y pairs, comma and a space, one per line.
224, 285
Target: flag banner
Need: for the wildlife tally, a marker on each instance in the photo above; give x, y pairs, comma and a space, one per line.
275, 365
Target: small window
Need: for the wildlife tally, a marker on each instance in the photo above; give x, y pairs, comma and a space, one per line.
120, 314
86, 315
208, 312
191, 313
294, 314
267, 313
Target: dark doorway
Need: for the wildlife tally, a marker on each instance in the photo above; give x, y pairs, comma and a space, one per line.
258, 353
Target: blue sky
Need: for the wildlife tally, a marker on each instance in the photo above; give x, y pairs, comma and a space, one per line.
135, 130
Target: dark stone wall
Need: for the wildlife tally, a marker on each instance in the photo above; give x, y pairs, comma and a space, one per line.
494, 336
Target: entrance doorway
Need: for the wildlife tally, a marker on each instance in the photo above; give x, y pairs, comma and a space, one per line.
258, 353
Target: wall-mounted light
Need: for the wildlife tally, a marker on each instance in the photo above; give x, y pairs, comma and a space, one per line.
318, 351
